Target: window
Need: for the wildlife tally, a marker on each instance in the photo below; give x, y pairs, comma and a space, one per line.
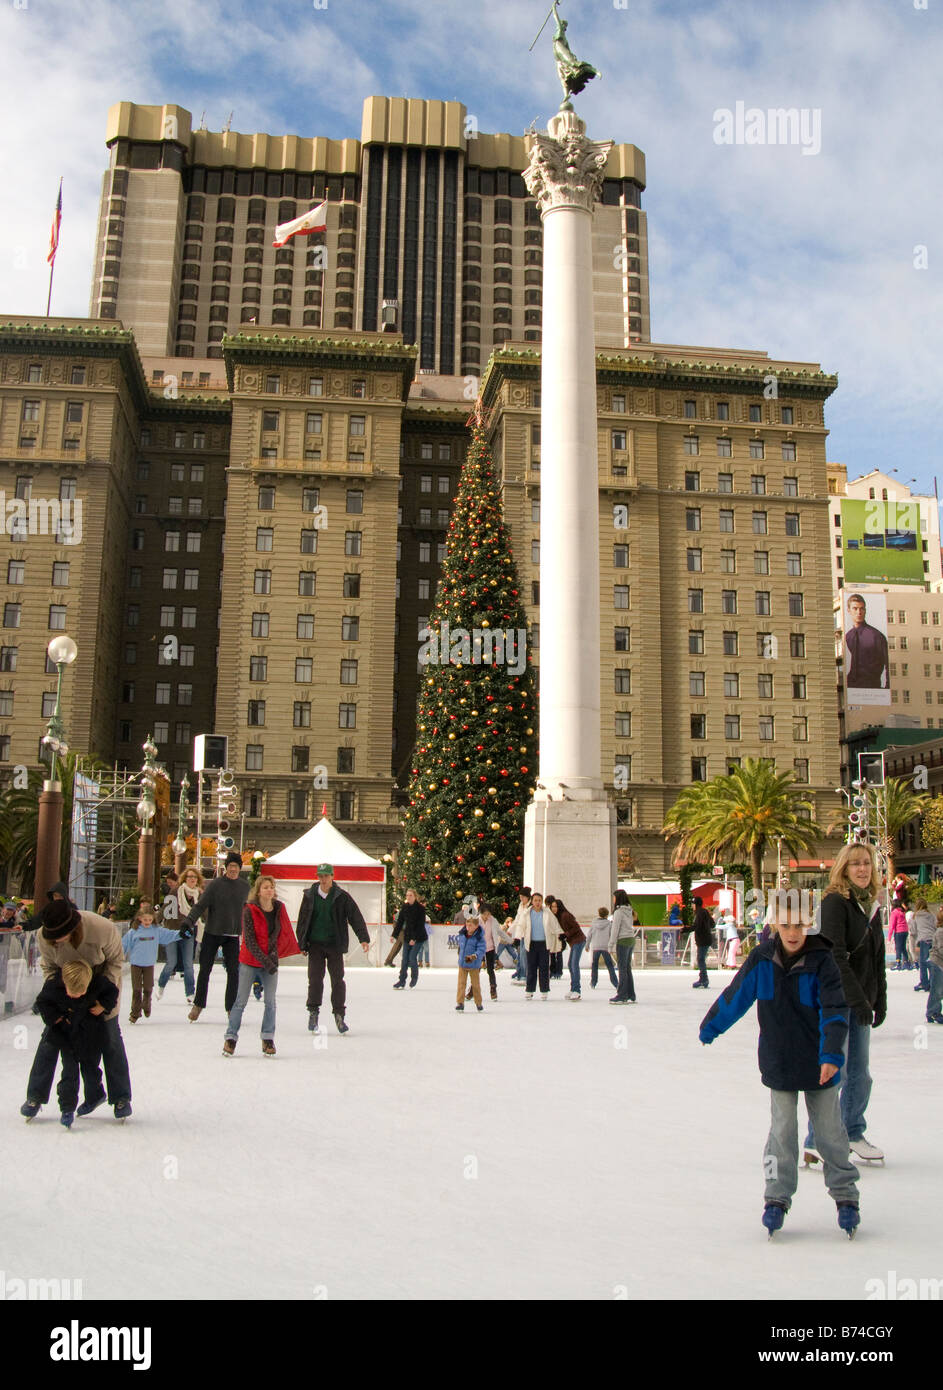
796, 605
731, 685
622, 638
307, 583
695, 600
696, 683
692, 445
266, 499
177, 472
191, 579
30, 410
723, 452
255, 714
758, 451
731, 726
690, 410
196, 469
353, 543
161, 693
699, 726
309, 499
793, 563
264, 537
422, 590
263, 582
273, 385
798, 687
618, 404
788, 452
137, 540
304, 626
345, 760
692, 482
797, 645
791, 487
692, 519
792, 523
313, 422
728, 562
620, 557
695, 559
764, 686
309, 541
695, 641
193, 542
759, 524
174, 506
315, 386
67, 490
34, 372
16, 571
300, 755
728, 600
800, 767
618, 441
358, 426
350, 629
253, 757
132, 615
620, 596
186, 655
301, 714
304, 670
698, 769
761, 562
623, 681
731, 644
758, 484
11, 614
756, 414
168, 616
767, 728
725, 519
48, 704
623, 724
8, 657
258, 668
347, 716
762, 606
354, 501
172, 540
425, 516
130, 653
443, 481
800, 729
442, 517
170, 579
766, 646
74, 412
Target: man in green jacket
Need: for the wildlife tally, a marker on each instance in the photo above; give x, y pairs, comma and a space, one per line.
325, 914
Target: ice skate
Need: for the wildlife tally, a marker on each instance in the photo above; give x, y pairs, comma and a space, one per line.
229, 1047
313, 1020
849, 1218
268, 1047
88, 1106
340, 1024
810, 1157
862, 1148
67, 1118
30, 1109
122, 1110
774, 1213
194, 1013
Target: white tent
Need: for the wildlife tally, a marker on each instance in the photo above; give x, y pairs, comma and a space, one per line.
295, 869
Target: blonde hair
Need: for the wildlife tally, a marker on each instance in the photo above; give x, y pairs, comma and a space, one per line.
192, 869
77, 976
838, 880
254, 890
920, 905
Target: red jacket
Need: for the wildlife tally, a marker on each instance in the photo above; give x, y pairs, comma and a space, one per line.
286, 944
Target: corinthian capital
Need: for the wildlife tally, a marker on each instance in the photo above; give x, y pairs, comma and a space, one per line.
566, 169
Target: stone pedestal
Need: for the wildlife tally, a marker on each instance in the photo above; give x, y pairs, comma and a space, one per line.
569, 838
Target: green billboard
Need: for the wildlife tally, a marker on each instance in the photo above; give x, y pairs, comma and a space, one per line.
881, 542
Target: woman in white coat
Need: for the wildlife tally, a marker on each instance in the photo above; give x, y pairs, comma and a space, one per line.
541, 938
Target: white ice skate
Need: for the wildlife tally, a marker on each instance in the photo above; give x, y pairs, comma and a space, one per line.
862, 1148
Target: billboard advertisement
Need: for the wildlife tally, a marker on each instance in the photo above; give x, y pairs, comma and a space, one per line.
866, 655
881, 542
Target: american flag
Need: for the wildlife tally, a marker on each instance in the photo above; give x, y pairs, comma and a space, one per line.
54, 231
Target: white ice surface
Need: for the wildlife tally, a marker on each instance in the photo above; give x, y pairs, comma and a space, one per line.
341, 1170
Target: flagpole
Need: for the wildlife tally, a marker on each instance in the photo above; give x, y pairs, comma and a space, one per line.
49, 296
52, 261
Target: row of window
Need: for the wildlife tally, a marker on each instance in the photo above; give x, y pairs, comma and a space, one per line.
77, 374
310, 496
301, 714
905, 669
9, 657
13, 613
272, 423
692, 445
766, 644
174, 506
697, 685
925, 617
16, 574
800, 727
728, 561
265, 540
787, 414
162, 692
800, 768
182, 440
24, 489
177, 471
74, 411
304, 670
48, 703
725, 518
758, 481
762, 602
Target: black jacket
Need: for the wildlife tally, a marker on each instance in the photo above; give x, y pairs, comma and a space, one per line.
222, 902
801, 1009
703, 925
411, 922
346, 914
858, 947
79, 1029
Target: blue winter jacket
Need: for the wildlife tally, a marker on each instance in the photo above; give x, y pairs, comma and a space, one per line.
802, 1013
140, 943
471, 949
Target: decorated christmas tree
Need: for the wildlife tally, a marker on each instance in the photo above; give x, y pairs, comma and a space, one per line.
475, 760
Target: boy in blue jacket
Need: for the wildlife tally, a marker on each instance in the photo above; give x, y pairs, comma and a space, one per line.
140, 945
471, 954
803, 1024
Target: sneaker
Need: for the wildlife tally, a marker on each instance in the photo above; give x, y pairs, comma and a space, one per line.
67, 1118
849, 1218
864, 1149
88, 1106
774, 1214
341, 1025
229, 1047
194, 1013
268, 1047
459, 1008
528, 996
30, 1108
122, 1109
313, 1020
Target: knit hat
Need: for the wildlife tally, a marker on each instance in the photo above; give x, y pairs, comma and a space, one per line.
233, 858
60, 919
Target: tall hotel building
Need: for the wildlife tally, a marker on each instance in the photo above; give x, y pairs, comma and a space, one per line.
276, 472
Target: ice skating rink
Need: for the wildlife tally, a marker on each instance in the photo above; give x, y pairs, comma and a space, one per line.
536, 1150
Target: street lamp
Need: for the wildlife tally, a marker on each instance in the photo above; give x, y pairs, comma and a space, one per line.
62, 651
146, 809
180, 844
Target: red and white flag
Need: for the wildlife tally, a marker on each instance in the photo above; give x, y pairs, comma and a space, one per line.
314, 220
54, 232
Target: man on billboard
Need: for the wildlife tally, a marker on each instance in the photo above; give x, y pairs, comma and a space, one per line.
866, 648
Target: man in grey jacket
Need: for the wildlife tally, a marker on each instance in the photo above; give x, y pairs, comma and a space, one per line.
222, 904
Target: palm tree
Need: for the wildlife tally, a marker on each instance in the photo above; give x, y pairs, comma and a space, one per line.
19, 819
900, 804
741, 813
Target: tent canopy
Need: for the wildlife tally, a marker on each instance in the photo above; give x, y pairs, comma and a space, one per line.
324, 844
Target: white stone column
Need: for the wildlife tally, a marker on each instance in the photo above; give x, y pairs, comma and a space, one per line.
569, 840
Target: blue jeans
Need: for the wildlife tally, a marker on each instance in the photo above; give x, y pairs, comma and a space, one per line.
181, 951
521, 971
248, 975
575, 953
923, 948
626, 986
935, 1000
702, 965
411, 953
900, 947
594, 969
856, 1083
424, 951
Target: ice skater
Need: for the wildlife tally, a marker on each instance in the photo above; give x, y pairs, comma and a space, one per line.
597, 944
899, 931
622, 936
72, 1004
796, 985
221, 903
471, 955
140, 944
935, 961
572, 933
325, 914
411, 929
267, 938
180, 953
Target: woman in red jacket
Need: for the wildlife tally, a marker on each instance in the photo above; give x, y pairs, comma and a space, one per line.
266, 937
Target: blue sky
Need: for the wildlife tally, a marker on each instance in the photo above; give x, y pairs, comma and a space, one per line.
810, 257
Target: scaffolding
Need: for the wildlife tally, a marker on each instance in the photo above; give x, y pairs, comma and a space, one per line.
105, 823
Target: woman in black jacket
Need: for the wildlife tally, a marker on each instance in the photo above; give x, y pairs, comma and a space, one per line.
411, 922
852, 926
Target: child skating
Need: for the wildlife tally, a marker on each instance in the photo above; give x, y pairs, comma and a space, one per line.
140, 945
471, 955
72, 1003
803, 1025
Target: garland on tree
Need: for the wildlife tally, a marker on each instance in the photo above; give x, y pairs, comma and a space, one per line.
475, 759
